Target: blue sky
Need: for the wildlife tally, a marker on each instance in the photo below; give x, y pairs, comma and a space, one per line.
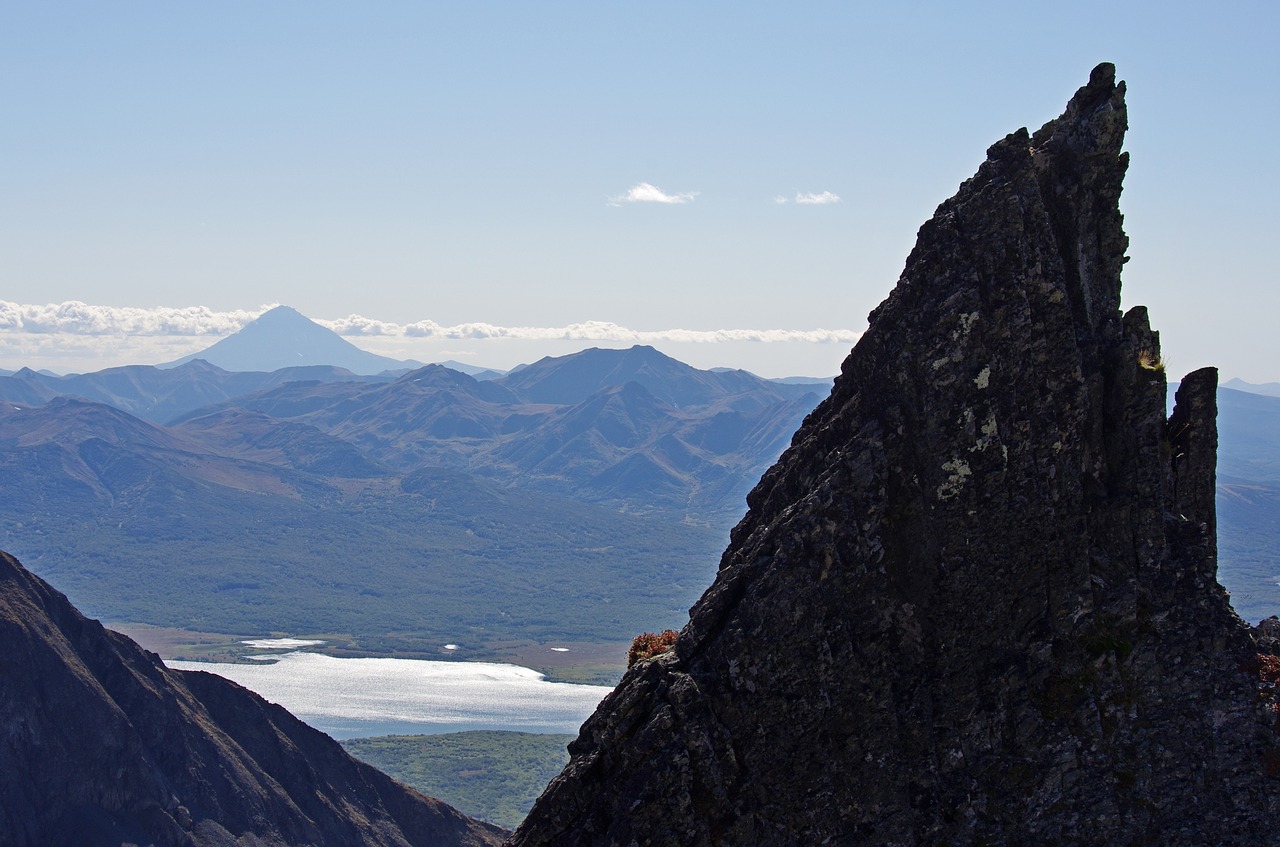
467, 163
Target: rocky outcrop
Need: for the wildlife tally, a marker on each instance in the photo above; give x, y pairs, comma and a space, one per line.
101, 744
975, 601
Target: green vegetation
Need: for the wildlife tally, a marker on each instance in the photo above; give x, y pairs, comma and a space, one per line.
400, 574
493, 776
1150, 360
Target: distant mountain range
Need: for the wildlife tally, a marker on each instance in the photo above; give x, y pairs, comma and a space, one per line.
582, 496
161, 394
1270, 389
283, 345
634, 428
553, 502
629, 428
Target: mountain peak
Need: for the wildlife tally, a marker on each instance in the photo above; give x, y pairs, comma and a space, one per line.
200, 366
975, 601
283, 337
283, 316
573, 378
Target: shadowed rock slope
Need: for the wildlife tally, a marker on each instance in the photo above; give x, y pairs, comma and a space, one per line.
975, 601
101, 744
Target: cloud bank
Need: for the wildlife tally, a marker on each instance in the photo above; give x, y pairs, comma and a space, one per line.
81, 319
643, 192
76, 318
606, 331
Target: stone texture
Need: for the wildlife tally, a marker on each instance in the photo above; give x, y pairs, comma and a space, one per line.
101, 744
975, 601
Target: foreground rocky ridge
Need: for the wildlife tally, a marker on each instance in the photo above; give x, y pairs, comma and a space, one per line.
975, 601
101, 744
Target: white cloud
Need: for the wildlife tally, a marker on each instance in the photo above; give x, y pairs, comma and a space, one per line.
358, 325
780, 200
76, 318
608, 331
643, 192
824, 199
76, 337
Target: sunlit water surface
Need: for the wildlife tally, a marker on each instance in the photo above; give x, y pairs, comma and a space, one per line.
353, 698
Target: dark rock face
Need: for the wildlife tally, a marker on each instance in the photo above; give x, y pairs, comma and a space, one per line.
975, 601
101, 744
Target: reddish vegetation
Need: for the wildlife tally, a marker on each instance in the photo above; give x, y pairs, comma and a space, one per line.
1269, 676
1269, 668
649, 644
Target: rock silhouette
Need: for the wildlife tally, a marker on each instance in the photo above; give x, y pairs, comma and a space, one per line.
975, 601
101, 744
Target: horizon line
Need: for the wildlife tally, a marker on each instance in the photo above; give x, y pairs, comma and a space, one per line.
74, 317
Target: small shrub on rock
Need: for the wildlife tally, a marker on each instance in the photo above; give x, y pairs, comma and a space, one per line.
649, 644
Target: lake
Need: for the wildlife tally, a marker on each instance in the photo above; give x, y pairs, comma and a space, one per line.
356, 698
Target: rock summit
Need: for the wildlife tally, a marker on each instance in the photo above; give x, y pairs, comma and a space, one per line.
975, 602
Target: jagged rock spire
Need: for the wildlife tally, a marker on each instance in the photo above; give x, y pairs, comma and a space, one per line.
975, 601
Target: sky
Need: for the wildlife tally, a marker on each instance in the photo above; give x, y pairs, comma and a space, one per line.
736, 183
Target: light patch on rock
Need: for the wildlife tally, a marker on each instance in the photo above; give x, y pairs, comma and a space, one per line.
967, 320
990, 434
960, 472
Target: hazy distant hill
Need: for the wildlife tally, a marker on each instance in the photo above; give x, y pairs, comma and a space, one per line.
429, 416
695, 453
1249, 501
573, 378
407, 512
666, 438
625, 446
472, 370
139, 522
285, 338
1270, 389
161, 394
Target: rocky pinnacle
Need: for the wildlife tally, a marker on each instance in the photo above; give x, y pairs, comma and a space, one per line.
975, 602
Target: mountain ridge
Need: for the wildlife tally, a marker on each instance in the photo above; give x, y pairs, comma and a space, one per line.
105, 745
254, 531
158, 394
570, 379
